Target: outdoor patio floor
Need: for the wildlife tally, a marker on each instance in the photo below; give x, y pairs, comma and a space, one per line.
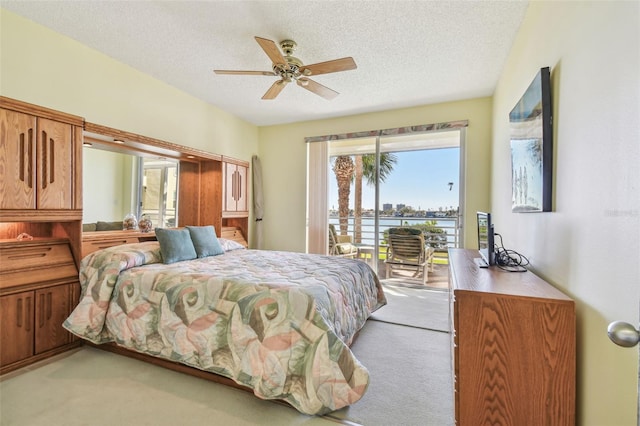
439, 278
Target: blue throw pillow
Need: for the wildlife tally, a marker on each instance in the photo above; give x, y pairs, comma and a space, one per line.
175, 245
205, 241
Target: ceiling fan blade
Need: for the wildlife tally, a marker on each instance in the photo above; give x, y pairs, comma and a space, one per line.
336, 65
317, 88
272, 51
274, 90
234, 72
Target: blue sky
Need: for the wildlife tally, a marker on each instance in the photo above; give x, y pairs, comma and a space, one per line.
419, 179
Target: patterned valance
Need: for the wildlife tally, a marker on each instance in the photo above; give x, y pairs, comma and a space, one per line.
422, 128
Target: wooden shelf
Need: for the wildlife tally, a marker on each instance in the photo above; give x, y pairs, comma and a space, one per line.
92, 241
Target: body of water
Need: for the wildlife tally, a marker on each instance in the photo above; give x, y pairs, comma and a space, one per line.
449, 225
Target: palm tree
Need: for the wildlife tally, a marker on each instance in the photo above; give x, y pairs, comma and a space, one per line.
344, 168
368, 171
357, 208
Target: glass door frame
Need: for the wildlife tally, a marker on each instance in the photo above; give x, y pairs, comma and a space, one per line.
415, 142
317, 216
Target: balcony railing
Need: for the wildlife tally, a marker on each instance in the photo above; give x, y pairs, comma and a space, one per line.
449, 237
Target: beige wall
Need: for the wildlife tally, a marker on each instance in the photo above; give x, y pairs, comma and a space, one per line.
47, 69
589, 245
283, 154
106, 183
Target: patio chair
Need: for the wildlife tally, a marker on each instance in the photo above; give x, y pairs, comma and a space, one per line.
407, 250
341, 245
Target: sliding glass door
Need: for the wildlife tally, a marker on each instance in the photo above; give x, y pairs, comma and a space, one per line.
158, 192
375, 183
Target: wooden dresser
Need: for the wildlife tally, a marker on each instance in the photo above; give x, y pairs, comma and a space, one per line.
39, 287
513, 346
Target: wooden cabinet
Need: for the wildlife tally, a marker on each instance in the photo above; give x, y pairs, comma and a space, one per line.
235, 196
31, 322
40, 173
513, 344
36, 162
38, 289
234, 234
235, 188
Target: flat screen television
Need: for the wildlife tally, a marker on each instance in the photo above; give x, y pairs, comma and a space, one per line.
486, 238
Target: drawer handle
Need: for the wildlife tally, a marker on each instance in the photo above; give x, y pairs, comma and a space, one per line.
20, 314
27, 256
26, 252
41, 311
26, 157
48, 160
44, 160
49, 306
107, 244
29, 317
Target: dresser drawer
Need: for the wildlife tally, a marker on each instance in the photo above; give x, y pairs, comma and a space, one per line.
29, 262
93, 241
89, 247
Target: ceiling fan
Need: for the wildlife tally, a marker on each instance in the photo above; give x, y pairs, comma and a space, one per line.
290, 68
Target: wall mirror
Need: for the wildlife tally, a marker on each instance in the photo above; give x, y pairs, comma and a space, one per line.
126, 173
159, 191
116, 184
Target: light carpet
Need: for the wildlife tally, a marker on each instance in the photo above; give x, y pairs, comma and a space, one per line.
410, 369
92, 387
415, 307
411, 380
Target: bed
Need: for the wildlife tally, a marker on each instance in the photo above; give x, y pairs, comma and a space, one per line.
279, 323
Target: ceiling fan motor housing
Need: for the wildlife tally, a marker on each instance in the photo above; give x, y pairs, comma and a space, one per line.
293, 73
288, 46
289, 68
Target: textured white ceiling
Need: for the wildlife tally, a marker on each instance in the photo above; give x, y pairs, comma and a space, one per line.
408, 53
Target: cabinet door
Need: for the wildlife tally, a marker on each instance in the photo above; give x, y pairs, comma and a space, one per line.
241, 189
16, 327
235, 197
55, 172
17, 160
229, 187
52, 306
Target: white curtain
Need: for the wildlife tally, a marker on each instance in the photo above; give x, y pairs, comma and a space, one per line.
317, 194
258, 202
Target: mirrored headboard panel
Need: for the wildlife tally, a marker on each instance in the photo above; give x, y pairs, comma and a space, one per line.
129, 173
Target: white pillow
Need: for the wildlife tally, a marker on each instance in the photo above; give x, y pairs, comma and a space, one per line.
229, 245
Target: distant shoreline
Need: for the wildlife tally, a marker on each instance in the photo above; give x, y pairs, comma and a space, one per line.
386, 222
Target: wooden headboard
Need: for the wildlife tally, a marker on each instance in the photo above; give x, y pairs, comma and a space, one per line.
92, 241
233, 233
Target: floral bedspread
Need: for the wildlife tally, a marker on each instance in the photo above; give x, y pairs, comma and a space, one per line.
280, 323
